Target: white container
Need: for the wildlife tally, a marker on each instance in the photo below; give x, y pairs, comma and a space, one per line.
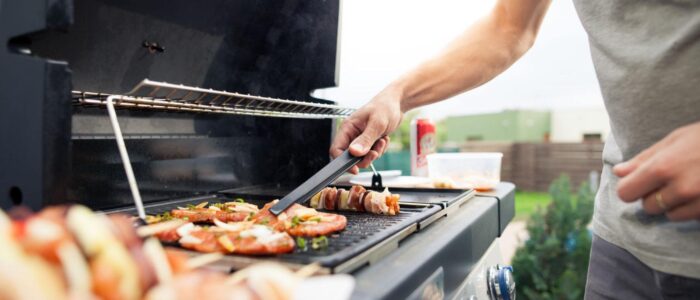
477, 170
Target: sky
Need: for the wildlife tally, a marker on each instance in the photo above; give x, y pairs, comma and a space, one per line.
381, 39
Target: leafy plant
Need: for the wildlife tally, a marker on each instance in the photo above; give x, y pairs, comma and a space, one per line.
553, 263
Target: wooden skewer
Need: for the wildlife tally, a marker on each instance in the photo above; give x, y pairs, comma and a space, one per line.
237, 277
203, 260
308, 270
149, 230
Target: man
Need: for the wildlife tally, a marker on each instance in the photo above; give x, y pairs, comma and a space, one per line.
647, 58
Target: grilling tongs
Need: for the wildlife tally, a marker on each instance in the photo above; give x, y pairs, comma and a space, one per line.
316, 183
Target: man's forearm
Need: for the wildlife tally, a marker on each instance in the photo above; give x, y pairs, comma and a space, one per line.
485, 50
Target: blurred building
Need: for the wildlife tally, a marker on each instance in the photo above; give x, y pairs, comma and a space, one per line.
579, 125
506, 126
561, 126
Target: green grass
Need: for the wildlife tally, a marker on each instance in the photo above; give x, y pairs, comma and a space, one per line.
526, 203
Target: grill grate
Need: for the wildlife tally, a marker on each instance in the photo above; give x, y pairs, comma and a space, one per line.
347, 250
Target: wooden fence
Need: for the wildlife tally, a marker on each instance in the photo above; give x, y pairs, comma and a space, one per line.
533, 166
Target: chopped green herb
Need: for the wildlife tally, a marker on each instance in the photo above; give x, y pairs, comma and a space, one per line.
186, 218
265, 222
319, 243
191, 206
166, 216
250, 216
295, 221
218, 205
301, 243
239, 200
315, 219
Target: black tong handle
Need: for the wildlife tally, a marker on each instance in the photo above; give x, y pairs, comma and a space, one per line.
316, 183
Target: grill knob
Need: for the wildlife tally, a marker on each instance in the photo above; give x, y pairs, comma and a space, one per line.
500, 282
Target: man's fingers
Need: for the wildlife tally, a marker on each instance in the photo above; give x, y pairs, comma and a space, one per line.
379, 146
346, 133
354, 170
371, 156
386, 145
688, 211
625, 168
664, 199
363, 143
643, 180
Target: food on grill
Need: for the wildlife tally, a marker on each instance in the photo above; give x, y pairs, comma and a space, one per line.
357, 199
226, 212
260, 281
71, 251
299, 220
239, 238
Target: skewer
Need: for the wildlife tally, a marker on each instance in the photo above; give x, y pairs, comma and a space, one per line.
237, 277
203, 260
149, 230
308, 270
156, 253
303, 272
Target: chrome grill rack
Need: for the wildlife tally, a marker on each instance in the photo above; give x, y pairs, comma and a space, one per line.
176, 97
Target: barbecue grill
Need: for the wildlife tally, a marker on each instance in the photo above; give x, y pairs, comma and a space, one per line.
178, 102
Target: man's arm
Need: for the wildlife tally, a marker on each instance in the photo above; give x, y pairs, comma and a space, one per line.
485, 50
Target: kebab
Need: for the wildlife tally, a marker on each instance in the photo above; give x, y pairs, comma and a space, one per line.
105, 264
261, 281
357, 199
230, 238
73, 252
301, 221
233, 211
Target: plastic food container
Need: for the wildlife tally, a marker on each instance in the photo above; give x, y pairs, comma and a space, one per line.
477, 170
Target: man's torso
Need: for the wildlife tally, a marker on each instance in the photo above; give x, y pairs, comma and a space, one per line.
647, 57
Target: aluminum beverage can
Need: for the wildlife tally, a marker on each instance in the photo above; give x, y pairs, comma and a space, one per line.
423, 142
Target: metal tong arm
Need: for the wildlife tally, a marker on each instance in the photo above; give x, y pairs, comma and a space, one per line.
376, 179
133, 186
316, 183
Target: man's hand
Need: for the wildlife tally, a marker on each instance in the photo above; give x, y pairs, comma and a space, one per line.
666, 176
366, 131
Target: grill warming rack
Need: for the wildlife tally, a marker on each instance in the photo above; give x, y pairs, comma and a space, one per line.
155, 95
173, 97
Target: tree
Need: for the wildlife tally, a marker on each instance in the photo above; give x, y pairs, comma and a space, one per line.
553, 263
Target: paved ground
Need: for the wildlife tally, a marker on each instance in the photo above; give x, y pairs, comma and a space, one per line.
514, 236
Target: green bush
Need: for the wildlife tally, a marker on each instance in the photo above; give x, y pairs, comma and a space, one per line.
554, 261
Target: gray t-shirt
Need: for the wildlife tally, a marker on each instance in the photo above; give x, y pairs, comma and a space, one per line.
647, 57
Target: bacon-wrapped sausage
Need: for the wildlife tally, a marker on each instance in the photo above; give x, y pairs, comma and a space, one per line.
357, 199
